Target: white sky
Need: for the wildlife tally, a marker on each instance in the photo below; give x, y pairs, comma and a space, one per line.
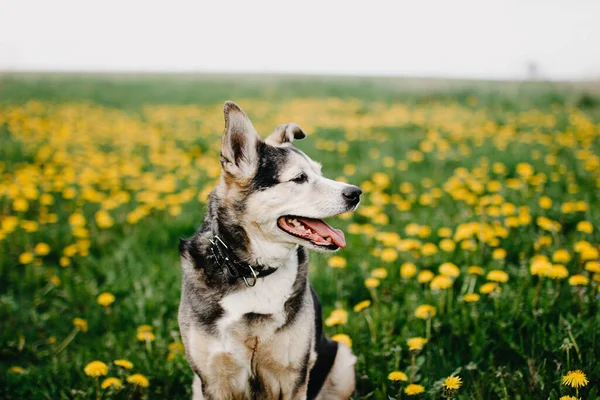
448, 38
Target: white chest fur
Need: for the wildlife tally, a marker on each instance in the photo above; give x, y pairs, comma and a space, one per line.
268, 296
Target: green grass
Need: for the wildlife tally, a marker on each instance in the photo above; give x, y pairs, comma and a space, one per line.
90, 129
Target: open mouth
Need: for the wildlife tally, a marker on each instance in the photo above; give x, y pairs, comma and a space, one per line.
316, 231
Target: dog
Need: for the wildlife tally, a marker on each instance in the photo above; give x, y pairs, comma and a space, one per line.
250, 321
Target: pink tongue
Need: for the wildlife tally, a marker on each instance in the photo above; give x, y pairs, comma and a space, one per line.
323, 229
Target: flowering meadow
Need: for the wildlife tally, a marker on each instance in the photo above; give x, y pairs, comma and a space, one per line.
472, 268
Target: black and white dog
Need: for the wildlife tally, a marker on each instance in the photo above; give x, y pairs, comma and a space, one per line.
250, 321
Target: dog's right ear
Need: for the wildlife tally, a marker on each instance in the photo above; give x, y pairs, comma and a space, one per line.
285, 134
239, 155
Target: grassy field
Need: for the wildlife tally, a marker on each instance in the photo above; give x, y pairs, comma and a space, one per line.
481, 202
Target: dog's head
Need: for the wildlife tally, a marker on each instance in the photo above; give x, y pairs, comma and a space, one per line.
275, 191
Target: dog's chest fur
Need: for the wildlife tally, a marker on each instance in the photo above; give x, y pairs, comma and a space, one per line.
261, 342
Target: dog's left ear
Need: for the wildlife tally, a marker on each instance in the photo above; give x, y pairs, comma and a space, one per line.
284, 134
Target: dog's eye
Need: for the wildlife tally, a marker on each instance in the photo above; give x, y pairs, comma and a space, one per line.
300, 178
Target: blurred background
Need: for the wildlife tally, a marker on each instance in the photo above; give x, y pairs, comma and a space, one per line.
510, 39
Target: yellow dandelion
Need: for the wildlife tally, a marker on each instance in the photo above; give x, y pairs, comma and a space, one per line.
592, 266
475, 270
379, 273
561, 256
17, 370
575, 379
105, 299
337, 317
499, 254
41, 249
453, 382
124, 364
489, 287
104, 220
449, 269
342, 338
425, 311
408, 270
389, 255
145, 336
372, 282
26, 258
416, 343
558, 271
540, 267
337, 262
397, 376
585, 227
440, 282
144, 328
138, 380
578, 280
425, 276
81, 324
568, 398
96, 369
111, 382
497, 276
545, 202
414, 389
362, 305
471, 297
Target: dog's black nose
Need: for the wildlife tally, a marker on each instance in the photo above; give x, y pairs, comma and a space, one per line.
352, 195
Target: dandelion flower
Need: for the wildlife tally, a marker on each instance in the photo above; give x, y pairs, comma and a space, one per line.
397, 376
558, 271
497, 276
124, 364
585, 227
408, 270
575, 379
499, 254
145, 336
578, 280
105, 299
488, 288
17, 370
568, 398
372, 282
362, 305
449, 269
81, 324
337, 317
379, 273
111, 382
475, 270
41, 249
96, 369
416, 343
440, 282
425, 311
471, 297
453, 382
337, 262
540, 268
425, 276
592, 266
342, 338
138, 380
144, 328
26, 258
561, 256
104, 220
413, 389
389, 255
